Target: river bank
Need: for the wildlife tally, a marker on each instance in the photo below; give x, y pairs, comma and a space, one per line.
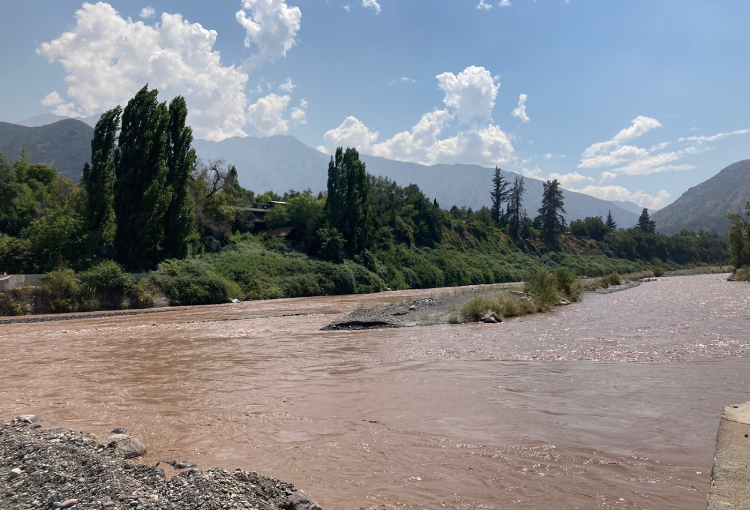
61, 468
613, 402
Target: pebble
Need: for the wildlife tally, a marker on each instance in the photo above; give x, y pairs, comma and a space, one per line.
15, 473
119, 430
68, 503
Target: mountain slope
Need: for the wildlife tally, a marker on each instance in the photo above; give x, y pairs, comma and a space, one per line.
50, 118
281, 163
64, 145
706, 205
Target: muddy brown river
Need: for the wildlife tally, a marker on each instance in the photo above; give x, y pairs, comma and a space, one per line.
609, 403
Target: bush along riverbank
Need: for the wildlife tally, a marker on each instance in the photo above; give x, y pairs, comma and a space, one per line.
60, 468
541, 292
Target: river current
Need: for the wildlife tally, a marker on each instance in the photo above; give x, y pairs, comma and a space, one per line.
609, 403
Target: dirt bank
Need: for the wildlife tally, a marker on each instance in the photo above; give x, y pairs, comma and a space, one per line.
65, 469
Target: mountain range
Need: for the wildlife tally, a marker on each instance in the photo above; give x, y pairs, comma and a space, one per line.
281, 163
64, 145
707, 204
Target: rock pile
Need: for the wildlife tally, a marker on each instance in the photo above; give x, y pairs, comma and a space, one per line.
49, 469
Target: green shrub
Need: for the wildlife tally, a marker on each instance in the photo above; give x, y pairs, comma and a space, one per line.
107, 276
192, 282
91, 304
60, 290
502, 304
742, 275
568, 284
300, 285
658, 271
542, 286
335, 279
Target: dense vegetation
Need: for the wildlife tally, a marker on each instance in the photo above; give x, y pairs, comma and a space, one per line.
147, 203
739, 242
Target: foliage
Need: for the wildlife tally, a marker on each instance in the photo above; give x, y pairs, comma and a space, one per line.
499, 194
347, 208
142, 195
192, 282
645, 223
60, 290
609, 280
502, 304
551, 213
742, 275
739, 237
305, 213
592, 227
542, 286
107, 276
568, 285
611, 223
515, 213
181, 160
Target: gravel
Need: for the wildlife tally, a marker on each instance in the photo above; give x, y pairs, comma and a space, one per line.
60, 468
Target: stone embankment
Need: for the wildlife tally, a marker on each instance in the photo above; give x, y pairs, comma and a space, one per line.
730, 476
60, 468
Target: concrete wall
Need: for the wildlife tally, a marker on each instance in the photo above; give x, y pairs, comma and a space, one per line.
12, 281
730, 477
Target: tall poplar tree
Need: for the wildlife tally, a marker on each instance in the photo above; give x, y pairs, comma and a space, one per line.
499, 194
611, 224
515, 212
99, 179
142, 195
347, 207
180, 216
552, 210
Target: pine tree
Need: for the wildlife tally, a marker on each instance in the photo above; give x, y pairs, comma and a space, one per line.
142, 196
499, 194
347, 207
180, 216
552, 210
22, 164
99, 179
645, 223
515, 213
611, 224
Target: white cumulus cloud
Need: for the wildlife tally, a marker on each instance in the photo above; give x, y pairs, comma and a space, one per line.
52, 99
484, 6
147, 12
271, 26
520, 112
625, 195
631, 159
504, 3
267, 114
108, 59
299, 116
565, 180
287, 86
373, 4
471, 94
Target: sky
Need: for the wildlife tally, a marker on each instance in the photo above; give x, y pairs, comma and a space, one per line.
634, 100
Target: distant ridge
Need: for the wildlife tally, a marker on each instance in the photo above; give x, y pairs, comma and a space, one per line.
50, 118
706, 205
280, 163
64, 145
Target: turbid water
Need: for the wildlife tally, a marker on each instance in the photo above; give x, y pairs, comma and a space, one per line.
609, 403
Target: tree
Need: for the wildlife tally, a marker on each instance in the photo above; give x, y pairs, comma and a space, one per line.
552, 210
99, 179
515, 212
347, 207
142, 195
645, 223
499, 194
611, 224
180, 217
739, 237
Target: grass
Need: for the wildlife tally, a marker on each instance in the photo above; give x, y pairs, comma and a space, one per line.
542, 286
503, 304
742, 275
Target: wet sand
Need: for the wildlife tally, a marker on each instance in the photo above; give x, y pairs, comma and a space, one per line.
609, 403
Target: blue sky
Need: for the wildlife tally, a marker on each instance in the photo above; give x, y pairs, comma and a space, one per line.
635, 100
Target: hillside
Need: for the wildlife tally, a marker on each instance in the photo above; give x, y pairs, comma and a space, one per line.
50, 118
706, 205
64, 145
280, 163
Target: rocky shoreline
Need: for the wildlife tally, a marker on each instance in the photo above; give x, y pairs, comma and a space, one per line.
60, 468
433, 311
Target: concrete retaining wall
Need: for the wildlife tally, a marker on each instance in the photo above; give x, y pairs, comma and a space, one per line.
730, 477
12, 281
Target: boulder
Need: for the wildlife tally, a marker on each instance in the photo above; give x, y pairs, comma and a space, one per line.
119, 430
15, 473
125, 446
491, 317
412, 308
300, 501
27, 418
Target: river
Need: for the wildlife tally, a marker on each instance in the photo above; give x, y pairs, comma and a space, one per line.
609, 403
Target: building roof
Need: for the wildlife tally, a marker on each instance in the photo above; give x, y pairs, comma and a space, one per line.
280, 232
